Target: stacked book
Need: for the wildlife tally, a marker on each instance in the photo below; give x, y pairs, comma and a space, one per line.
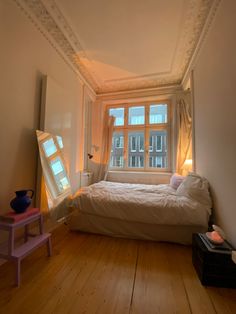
13, 217
224, 248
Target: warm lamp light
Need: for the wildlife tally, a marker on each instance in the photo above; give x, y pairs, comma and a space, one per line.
187, 166
188, 163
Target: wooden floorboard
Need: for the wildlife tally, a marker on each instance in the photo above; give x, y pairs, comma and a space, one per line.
158, 286
98, 274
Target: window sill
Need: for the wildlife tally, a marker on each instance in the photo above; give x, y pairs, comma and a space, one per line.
143, 177
166, 173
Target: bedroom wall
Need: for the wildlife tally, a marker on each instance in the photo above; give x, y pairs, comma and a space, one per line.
215, 113
26, 56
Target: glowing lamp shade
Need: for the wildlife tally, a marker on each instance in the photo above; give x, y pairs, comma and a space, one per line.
187, 166
188, 163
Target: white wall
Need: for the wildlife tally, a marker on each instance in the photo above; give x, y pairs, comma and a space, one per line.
215, 115
62, 115
25, 56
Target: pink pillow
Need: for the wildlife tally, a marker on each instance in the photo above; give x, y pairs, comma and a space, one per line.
176, 180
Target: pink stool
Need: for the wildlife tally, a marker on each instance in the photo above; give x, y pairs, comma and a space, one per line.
31, 242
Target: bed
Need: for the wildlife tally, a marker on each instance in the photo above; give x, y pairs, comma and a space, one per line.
153, 212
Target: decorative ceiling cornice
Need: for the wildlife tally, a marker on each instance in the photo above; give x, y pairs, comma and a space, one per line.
49, 19
39, 14
202, 37
136, 95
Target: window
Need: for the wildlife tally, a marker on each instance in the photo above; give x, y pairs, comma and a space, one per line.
117, 150
141, 143
118, 113
136, 115
132, 161
158, 114
116, 161
141, 137
159, 149
159, 143
133, 142
119, 142
158, 161
151, 140
136, 149
140, 161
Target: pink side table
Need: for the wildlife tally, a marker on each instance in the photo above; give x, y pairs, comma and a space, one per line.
31, 242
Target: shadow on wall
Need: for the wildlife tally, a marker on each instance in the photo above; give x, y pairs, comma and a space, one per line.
20, 153
23, 172
22, 158
93, 167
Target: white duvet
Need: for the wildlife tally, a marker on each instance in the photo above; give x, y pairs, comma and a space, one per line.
152, 204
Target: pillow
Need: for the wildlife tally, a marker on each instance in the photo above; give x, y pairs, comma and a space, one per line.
176, 180
196, 187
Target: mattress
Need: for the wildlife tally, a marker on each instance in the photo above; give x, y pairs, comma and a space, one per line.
133, 230
146, 204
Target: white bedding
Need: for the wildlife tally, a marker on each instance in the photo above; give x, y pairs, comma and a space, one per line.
151, 204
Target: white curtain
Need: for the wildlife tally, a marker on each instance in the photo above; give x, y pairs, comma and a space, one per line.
106, 146
184, 141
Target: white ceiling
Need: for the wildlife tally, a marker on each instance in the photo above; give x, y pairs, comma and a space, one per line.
121, 45
126, 38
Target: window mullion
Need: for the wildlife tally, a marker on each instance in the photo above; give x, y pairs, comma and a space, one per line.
126, 148
126, 117
146, 154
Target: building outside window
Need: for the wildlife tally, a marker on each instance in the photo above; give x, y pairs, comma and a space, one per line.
141, 137
119, 142
133, 143
151, 141
159, 161
159, 139
141, 143
117, 150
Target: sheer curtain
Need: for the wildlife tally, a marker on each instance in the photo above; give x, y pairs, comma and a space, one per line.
106, 146
184, 139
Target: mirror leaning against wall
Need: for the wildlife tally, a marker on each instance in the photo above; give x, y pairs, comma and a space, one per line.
54, 175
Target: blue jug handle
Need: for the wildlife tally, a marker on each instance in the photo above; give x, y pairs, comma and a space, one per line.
32, 193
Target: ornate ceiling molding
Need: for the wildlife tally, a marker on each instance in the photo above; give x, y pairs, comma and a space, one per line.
49, 19
39, 15
201, 40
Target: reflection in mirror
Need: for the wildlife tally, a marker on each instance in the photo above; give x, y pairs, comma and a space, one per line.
57, 184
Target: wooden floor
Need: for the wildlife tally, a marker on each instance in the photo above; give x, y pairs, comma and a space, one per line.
98, 274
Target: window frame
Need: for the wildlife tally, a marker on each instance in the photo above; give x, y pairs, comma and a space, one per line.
146, 128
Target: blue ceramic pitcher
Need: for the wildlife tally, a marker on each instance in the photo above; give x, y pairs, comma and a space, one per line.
22, 201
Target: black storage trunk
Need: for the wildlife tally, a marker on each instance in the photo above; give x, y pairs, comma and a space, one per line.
213, 269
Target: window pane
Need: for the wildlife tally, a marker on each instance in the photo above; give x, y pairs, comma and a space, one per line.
136, 115
151, 143
158, 114
49, 147
117, 150
59, 174
158, 149
159, 143
118, 113
136, 149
